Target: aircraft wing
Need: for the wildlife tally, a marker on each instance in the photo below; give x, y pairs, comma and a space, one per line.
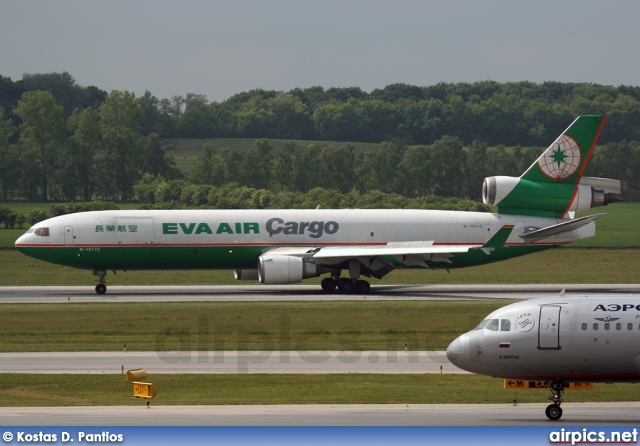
389, 249
411, 248
378, 259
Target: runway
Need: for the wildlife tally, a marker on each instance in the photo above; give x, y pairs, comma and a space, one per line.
229, 362
581, 414
117, 294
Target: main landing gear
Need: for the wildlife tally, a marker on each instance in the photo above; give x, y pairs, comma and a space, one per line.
344, 285
352, 284
553, 411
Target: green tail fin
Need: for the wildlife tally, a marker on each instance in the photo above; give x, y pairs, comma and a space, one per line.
549, 187
565, 160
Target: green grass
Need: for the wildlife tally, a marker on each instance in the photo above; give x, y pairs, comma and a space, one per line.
590, 266
25, 208
107, 390
619, 229
271, 326
9, 236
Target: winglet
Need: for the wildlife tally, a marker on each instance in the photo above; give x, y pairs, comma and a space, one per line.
499, 238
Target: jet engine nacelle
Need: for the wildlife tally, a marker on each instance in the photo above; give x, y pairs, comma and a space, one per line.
246, 274
283, 269
591, 192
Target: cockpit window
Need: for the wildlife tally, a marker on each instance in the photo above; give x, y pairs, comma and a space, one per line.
482, 324
29, 231
492, 325
42, 232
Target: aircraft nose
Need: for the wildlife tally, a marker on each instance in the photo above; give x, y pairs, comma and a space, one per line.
458, 351
22, 239
455, 351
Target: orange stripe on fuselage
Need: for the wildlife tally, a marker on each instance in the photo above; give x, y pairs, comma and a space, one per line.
584, 166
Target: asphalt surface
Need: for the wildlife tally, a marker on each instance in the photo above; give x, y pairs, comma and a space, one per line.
229, 362
581, 414
62, 294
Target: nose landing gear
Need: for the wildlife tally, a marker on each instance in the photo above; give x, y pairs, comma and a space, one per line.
101, 287
553, 411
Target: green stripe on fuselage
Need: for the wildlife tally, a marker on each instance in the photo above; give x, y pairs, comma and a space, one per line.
227, 257
150, 257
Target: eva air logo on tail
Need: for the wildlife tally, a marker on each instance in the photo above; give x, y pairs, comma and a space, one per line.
561, 159
550, 186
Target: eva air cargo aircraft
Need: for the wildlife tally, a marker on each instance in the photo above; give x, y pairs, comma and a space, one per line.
535, 212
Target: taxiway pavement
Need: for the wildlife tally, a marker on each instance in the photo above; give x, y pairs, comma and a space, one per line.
581, 414
229, 362
62, 294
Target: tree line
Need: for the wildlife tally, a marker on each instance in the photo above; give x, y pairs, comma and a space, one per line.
92, 153
511, 113
447, 168
11, 218
61, 141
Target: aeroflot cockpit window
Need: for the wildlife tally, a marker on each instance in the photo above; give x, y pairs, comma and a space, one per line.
482, 324
492, 325
42, 232
505, 325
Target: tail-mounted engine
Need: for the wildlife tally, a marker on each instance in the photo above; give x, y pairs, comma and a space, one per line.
548, 198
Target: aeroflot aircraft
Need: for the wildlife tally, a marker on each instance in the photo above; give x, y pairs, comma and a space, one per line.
558, 340
285, 246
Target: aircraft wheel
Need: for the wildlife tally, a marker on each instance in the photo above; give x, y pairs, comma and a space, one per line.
362, 287
101, 288
553, 412
328, 284
345, 285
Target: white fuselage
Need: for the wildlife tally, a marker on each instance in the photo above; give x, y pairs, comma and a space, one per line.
568, 338
316, 227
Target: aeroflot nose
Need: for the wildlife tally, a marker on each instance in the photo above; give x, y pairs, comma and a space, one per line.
457, 352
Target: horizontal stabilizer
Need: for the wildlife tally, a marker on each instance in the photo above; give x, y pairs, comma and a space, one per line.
500, 237
539, 234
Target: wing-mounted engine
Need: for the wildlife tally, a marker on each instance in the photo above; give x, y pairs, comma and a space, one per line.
513, 195
283, 269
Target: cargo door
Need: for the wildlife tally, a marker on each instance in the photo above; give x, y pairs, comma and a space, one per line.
134, 230
135, 236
